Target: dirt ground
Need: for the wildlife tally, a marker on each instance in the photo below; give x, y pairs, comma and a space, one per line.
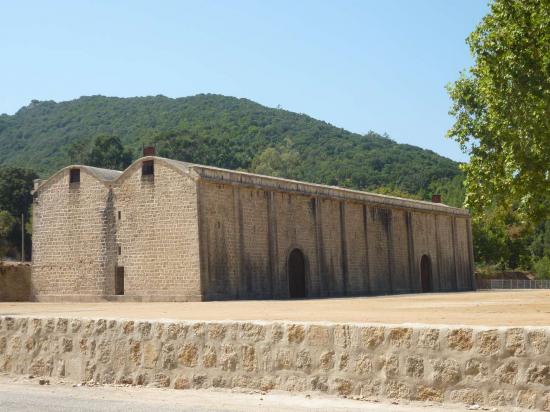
488, 308
20, 394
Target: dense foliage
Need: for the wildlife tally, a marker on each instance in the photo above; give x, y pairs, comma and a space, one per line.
502, 110
104, 151
221, 131
540, 250
15, 200
7, 223
15, 190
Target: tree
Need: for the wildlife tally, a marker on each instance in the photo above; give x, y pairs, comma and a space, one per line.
540, 249
15, 199
7, 222
392, 191
15, 190
281, 161
77, 152
502, 110
540, 246
187, 146
108, 152
451, 190
542, 268
501, 239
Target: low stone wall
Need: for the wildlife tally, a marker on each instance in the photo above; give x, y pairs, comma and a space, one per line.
497, 367
15, 282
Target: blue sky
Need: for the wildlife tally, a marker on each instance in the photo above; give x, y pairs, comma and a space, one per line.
361, 65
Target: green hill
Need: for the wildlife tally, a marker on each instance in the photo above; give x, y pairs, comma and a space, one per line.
226, 132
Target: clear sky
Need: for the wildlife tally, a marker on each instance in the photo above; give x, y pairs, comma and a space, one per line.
361, 65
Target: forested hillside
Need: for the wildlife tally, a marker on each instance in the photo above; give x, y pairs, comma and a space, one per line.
226, 132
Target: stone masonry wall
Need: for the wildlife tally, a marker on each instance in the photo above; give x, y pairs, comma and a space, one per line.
157, 234
497, 367
296, 223
15, 282
219, 241
464, 261
351, 248
74, 250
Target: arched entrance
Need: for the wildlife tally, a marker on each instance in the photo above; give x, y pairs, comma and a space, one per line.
426, 273
297, 274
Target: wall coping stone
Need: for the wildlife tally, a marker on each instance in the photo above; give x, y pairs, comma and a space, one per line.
493, 366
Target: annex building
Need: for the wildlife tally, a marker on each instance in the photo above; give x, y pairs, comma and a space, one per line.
167, 230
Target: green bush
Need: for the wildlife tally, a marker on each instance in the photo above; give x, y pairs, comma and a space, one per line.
542, 268
7, 222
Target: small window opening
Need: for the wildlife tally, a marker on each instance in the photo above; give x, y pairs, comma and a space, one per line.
119, 250
119, 215
148, 168
74, 176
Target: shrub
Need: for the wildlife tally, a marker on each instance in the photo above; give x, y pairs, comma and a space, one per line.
542, 268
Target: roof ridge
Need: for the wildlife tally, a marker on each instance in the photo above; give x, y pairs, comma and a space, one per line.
368, 196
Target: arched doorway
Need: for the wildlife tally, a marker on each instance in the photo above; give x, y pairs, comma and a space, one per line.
297, 274
426, 273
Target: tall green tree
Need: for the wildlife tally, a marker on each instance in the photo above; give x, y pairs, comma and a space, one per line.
15, 199
540, 249
187, 146
502, 110
540, 246
7, 223
77, 152
15, 190
108, 152
280, 161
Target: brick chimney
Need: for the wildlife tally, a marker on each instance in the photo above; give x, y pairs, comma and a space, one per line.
149, 151
436, 198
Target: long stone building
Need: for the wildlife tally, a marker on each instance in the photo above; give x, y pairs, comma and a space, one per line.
169, 230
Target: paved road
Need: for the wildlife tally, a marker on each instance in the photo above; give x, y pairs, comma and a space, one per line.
29, 396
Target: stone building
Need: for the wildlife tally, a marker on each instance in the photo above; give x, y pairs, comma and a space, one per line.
169, 230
